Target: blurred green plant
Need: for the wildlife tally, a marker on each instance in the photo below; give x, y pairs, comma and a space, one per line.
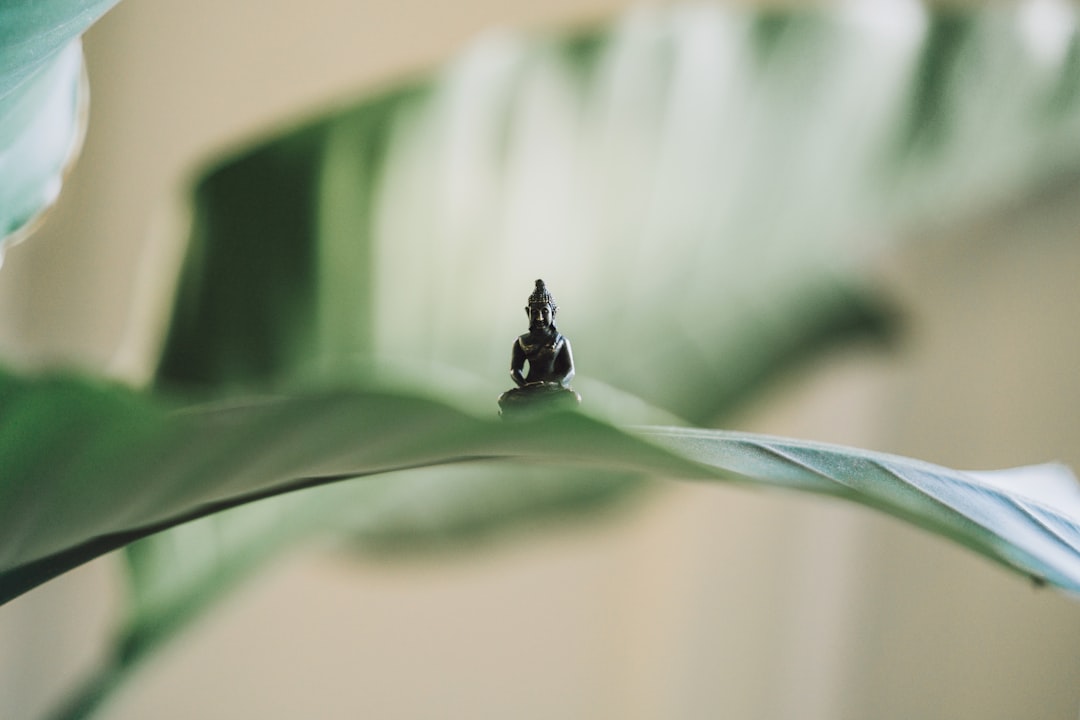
697, 184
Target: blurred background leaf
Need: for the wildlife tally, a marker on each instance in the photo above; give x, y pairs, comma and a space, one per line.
664, 175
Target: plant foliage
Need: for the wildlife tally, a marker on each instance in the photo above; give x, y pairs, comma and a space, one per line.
697, 184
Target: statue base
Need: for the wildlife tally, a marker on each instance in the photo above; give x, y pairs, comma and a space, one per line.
537, 398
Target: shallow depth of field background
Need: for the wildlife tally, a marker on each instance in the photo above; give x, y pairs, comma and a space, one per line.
691, 602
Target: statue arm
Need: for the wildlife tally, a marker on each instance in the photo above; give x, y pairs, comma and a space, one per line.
517, 364
564, 363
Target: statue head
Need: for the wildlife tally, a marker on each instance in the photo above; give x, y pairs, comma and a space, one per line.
541, 309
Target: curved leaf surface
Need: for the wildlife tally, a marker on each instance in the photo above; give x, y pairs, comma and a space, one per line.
43, 102
90, 468
33, 32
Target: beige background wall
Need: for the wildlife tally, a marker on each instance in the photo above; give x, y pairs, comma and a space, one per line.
700, 602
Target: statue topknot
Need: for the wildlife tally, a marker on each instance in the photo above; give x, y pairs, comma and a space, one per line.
540, 296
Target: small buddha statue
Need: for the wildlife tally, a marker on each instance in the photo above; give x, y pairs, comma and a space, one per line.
550, 362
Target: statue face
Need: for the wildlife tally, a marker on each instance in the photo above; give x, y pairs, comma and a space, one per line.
540, 316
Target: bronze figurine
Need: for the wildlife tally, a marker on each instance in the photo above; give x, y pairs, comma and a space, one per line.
550, 362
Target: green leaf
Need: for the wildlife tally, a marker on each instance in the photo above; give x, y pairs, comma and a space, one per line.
77, 455
43, 99
33, 32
